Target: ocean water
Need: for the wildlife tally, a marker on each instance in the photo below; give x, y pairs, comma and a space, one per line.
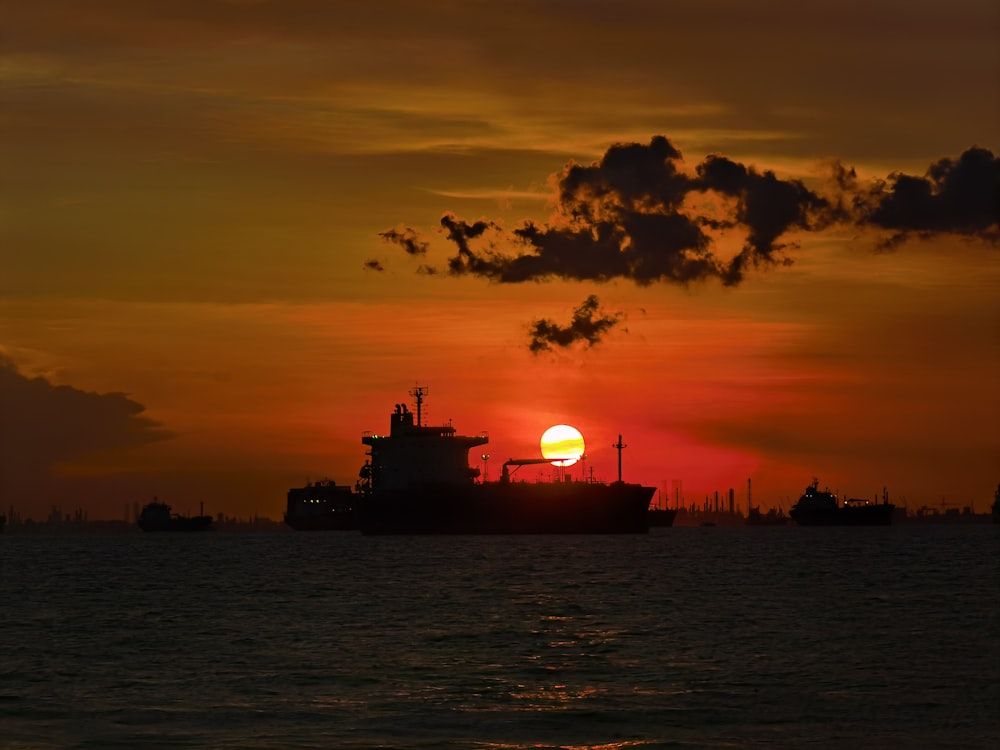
685, 638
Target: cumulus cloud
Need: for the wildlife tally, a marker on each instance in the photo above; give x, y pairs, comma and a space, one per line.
44, 425
639, 213
588, 325
955, 196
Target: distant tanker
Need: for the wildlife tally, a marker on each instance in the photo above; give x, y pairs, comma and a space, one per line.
821, 508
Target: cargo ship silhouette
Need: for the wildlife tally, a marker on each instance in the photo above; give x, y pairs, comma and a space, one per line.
819, 507
321, 506
157, 516
418, 481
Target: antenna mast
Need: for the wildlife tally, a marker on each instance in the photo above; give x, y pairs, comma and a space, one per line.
418, 392
620, 446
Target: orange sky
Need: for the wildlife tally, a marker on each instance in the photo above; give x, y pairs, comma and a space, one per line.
192, 194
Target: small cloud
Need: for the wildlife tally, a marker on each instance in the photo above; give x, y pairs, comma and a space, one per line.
407, 238
374, 265
588, 325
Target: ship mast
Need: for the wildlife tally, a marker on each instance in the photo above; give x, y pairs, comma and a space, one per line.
620, 446
418, 392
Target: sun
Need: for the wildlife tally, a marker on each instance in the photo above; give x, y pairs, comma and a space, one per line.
563, 444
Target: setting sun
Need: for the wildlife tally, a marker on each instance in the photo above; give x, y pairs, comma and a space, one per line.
563, 444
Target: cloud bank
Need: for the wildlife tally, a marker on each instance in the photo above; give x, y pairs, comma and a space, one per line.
641, 214
44, 425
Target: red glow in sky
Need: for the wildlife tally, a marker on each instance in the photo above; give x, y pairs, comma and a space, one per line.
756, 245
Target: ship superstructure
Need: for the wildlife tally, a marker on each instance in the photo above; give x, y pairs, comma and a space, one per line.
414, 454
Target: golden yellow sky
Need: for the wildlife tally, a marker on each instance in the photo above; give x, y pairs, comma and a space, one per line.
191, 197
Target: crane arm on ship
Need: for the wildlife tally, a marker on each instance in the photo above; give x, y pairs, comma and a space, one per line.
518, 462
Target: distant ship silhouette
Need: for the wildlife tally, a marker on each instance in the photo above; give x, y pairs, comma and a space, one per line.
322, 506
819, 507
157, 516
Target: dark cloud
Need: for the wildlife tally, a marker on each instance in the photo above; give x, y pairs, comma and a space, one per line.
631, 177
44, 425
589, 324
638, 214
845, 177
765, 206
461, 233
374, 265
622, 217
956, 196
407, 238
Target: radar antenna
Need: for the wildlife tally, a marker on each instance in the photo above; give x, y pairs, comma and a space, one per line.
418, 392
620, 446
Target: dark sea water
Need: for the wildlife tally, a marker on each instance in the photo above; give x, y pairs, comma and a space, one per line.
685, 638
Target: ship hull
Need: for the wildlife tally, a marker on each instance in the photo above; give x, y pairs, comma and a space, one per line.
867, 515
756, 518
763, 521
510, 508
662, 516
333, 522
324, 506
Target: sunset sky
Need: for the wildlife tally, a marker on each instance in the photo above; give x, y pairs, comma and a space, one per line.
759, 240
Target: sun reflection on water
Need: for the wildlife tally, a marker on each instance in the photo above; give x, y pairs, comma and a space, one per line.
554, 697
